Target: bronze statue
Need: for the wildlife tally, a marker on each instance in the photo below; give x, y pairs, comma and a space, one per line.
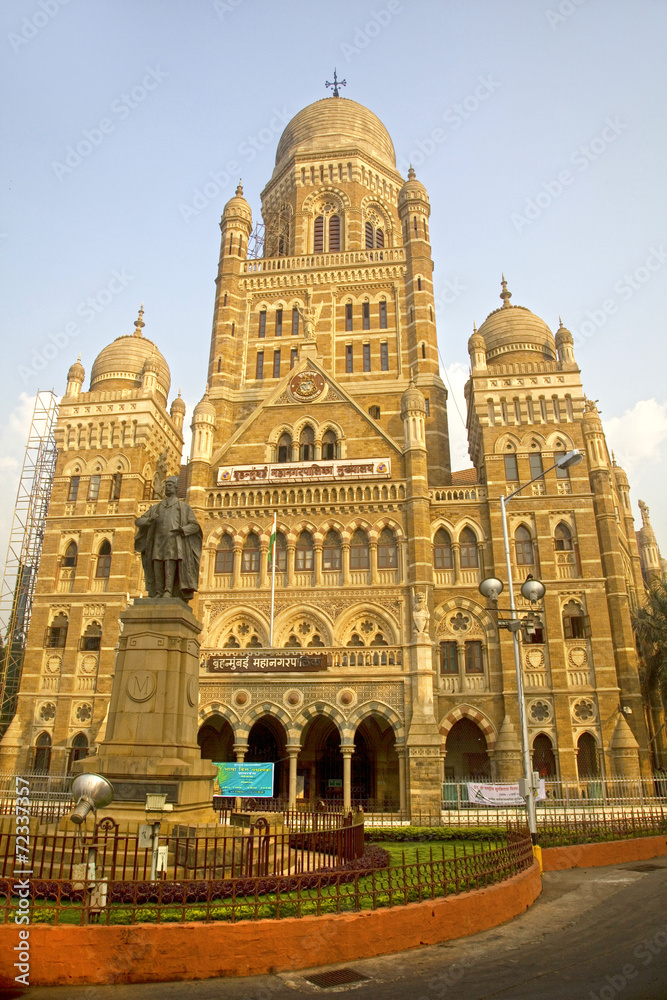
169, 539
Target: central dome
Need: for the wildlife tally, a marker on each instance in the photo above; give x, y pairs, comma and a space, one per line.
336, 123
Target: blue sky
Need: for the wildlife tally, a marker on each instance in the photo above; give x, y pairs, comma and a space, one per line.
537, 127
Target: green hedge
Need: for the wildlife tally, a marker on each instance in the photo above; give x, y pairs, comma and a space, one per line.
434, 833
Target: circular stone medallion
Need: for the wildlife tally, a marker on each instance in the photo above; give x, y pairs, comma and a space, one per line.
307, 386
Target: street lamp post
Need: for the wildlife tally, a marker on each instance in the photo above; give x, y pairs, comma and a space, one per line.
532, 590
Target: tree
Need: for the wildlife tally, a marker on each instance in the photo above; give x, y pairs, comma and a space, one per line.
650, 625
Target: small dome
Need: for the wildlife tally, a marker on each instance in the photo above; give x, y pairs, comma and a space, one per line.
77, 372
335, 123
121, 363
515, 329
178, 406
476, 343
620, 475
204, 410
237, 206
413, 190
412, 399
563, 335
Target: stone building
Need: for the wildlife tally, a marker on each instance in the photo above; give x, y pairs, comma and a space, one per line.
382, 670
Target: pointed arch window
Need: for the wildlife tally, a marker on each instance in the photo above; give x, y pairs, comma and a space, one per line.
103, 567
525, 550
78, 750
442, 550
373, 237
224, 556
329, 445
563, 538
576, 624
468, 549
71, 555
360, 557
303, 554
284, 453
250, 555
331, 551
56, 634
307, 444
91, 640
41, 760
387, 550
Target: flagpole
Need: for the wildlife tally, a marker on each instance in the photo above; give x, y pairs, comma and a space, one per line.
273, 575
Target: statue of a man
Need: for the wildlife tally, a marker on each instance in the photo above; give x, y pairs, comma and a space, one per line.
309, 315
169, 539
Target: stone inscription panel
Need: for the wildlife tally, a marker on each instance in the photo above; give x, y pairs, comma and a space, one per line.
246, 663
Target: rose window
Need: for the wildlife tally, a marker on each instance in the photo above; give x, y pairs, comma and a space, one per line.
584, 711
540, 711
459, 623
84, 713
47, 712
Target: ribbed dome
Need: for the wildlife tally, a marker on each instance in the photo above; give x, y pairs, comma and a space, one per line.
413, 399
515, 329
204, 410
120, 364
413, 190
76, 373
238, 206
336, 123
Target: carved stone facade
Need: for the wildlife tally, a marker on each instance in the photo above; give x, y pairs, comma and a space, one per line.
340, 429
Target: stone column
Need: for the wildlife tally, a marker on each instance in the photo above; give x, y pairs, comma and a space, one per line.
345, 546
264, 579
456, 559
347, 777
240, 749
402, 755
293, 754
291, 546
318, 563
236, 569
374, 562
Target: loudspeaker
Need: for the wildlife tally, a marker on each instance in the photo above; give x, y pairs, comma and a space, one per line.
90, 791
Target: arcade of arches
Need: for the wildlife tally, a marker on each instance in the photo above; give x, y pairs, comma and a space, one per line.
368, 772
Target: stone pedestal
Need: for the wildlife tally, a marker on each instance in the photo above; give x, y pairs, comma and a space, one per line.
624, 751
150, 744
507, 756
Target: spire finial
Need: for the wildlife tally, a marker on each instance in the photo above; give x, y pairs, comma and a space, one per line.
79, 357
336, 84
239, 189
560, 322
474, 327
139, 322
505, 295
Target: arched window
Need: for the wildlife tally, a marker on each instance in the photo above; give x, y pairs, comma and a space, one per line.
284, 452
379, 238
224, 556
91, 640
544, 761
373, 237
374, 411
359, 551
334, 233
281, 553
588, 765
78, 749
250, 555
387, 550
307, 444
576, 624
331, 551
71, 555
563, 538
318, 234
329, 445
525, 554
56, 633
442, 550
369, 234
103, 567
41, 760
303, 554
468, 549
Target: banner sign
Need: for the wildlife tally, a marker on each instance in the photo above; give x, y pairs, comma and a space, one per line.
286, 661
246, 780
500, 795
301, 472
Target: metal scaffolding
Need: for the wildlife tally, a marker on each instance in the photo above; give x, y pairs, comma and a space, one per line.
24, 550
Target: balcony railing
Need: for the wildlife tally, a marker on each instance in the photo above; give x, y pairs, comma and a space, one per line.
349, 258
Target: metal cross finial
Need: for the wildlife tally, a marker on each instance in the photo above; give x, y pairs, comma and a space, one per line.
336, 84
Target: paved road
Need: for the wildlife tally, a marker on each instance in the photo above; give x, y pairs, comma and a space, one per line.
594, 934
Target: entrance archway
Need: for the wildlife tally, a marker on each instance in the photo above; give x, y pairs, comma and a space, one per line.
466, 752
375, 783
588, 764
544, 760
321, 762
266, 743
216, 740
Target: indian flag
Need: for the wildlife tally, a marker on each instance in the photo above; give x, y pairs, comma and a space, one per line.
272, 541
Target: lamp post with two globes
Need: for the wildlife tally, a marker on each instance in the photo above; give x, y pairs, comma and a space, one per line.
533, 590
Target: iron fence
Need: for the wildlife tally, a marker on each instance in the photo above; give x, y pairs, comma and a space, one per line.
608, 825
82, 899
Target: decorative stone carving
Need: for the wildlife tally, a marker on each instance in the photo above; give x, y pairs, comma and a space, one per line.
420, 613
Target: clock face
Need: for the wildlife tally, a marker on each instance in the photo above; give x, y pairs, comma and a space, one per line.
307, 386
